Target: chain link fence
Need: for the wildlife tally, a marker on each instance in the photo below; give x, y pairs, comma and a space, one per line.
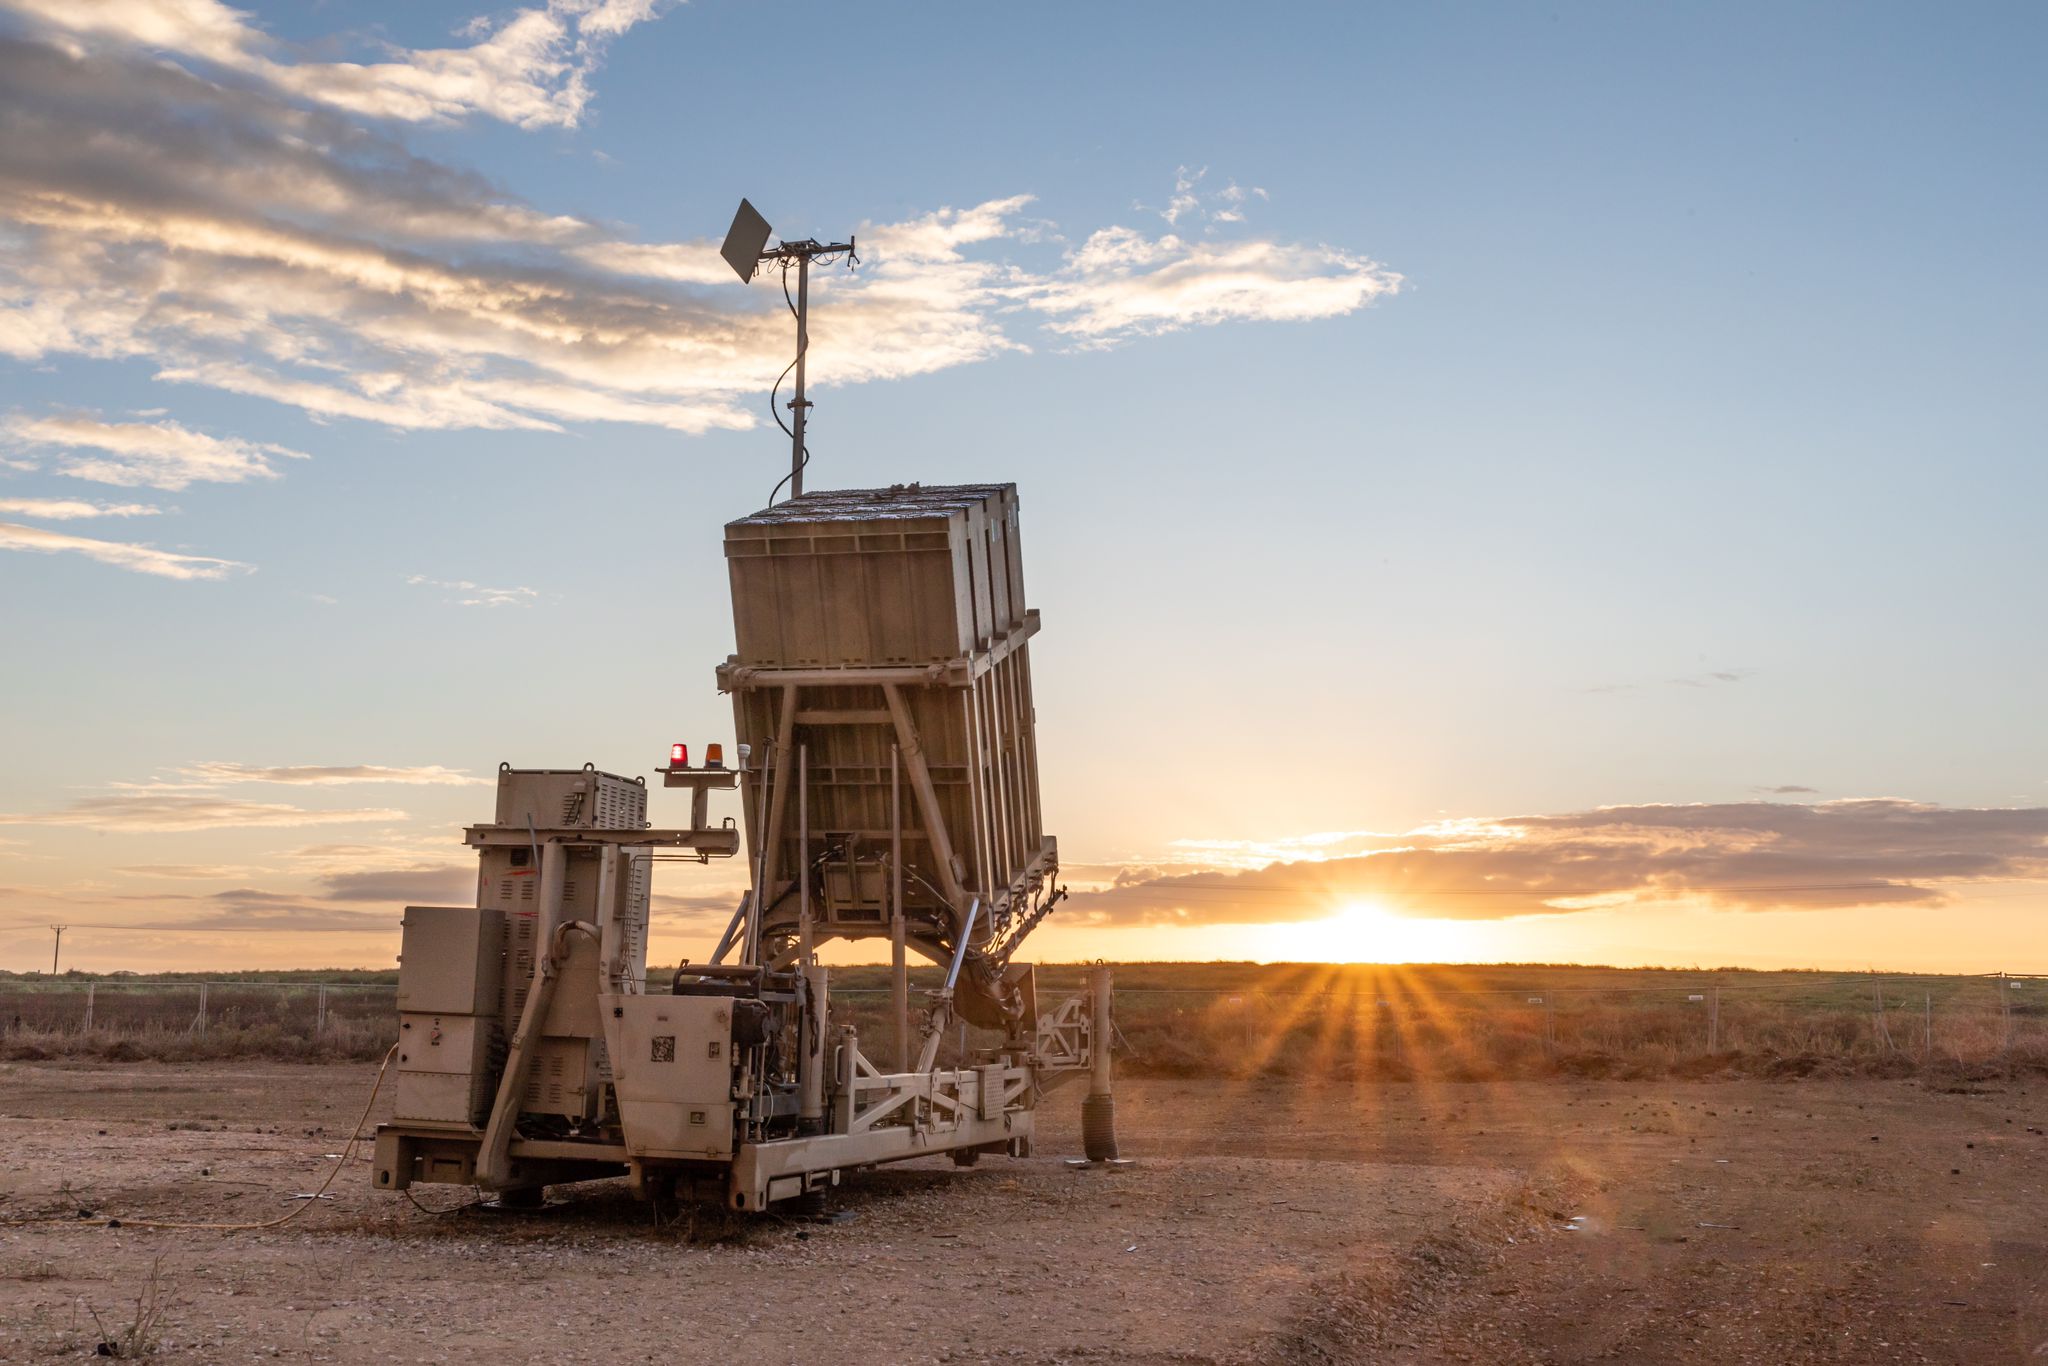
196, 1019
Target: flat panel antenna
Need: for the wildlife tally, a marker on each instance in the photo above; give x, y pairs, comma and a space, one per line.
744, 241
746, 246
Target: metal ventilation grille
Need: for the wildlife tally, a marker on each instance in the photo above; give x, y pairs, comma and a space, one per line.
520, 931
633, 916
548, 1087
619, 805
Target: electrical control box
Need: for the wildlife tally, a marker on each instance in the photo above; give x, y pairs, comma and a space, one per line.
446, 1067
451, 979
674, 1066
450, 960
570, 799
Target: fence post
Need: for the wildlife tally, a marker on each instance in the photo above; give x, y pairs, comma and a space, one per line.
2005, 1008
1549, 1025
1713, 1019
88, 1007
320, 1011
1927, 1028
199, 1023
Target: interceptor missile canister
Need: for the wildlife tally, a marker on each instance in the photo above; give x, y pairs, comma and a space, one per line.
885, 619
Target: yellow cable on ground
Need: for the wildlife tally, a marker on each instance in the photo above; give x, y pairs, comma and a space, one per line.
354, 1137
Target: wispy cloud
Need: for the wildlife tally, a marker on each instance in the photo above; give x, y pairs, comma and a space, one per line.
532, 69
164, 811
331, 775
73, 509
1737, 855
1787, 790
705, 912
141, 559
233, 910
476, 595
1121, 284
194, 872
1212, 854
157, 455
1706, 678
1193, 199
418, 884
250, 236
251, 908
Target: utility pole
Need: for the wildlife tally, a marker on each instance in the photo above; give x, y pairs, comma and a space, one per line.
57, 948
744, 250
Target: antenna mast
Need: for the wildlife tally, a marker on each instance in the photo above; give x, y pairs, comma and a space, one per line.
745, 248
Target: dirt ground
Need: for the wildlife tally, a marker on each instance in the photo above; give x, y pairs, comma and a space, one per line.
1562, 1221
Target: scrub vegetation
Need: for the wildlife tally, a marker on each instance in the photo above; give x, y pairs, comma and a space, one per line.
1237, 1020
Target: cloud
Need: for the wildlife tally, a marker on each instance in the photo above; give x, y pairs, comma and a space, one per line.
420, 884
1245, 854
1787, 790
1736, 855
73, 509
157, 455
1121, 284
197, 872
174, 812
476, 595
425, 775
251, 237
1191, 200
236, 909
341, 856
1710, 678
248, 908
141, 559
703, 912
532, 70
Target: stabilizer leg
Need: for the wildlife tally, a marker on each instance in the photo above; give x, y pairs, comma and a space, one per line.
1098, 1110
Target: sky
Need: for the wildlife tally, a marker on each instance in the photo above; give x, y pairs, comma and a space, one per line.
1500, 483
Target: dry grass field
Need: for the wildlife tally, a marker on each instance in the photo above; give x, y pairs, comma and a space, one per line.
1232, 1020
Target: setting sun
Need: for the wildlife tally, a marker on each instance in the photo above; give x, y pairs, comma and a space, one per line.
1367, 932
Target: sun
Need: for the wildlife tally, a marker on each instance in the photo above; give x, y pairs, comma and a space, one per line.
1367, 932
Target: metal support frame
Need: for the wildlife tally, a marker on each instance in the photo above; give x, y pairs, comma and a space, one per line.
921, 787
899, 971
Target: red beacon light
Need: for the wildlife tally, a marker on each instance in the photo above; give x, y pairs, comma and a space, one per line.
678, 756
